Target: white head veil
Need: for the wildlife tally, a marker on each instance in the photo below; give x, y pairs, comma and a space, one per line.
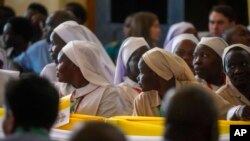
175, 30
87, 56
128, 47
227, 49
215, 43
71, 30
167, 65
178, 39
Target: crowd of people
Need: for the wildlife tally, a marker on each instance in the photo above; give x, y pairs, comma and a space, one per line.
192, 81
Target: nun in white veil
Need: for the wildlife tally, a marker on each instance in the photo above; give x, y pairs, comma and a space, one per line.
81, 65
70, 31
127, 70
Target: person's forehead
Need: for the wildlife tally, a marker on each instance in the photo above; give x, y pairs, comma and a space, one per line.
204, 48
238, 52
216, 16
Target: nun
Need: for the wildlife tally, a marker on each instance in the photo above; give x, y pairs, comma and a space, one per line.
207, 62
127, 71
70, 31
80, 64
177, 29
184, 46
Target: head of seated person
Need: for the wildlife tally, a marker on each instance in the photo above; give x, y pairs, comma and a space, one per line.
66, 32
207, 60
236, 61
146, 25
98, 131
190, 115
160, 70
31, 106
79, 63
221, 18
55, 19
17, 33
237, 34
78, 11
129, 55
184, 46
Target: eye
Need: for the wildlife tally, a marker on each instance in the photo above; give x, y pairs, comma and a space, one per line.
204, 55
244, 64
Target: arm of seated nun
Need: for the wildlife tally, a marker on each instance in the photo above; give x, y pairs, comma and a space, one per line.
240, 112
110, 103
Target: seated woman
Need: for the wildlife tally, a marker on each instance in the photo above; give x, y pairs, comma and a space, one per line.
127, 71
207, 62
177, 29
98, 131
81, 65
70, 31
184, 46
190, 115
146, 25
159, 72
236, 61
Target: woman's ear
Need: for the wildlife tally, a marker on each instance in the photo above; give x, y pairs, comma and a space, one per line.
8, 123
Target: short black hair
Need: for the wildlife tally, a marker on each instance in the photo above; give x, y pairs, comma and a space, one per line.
189, 112
225, 10
21, 26
33, 101
98, 131
78, 10
39, 8
5, 14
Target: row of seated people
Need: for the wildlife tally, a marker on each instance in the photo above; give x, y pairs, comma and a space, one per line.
31, 109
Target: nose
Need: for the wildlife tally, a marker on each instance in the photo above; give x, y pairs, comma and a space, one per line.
197, 61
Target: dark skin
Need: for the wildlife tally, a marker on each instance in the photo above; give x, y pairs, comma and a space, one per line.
13, 40
237, 68
208, 65
56, 46
185, 50
237, 34
149, 80
132, 65
68, 72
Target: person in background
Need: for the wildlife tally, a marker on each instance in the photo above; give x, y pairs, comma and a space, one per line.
17, 35
236, 64
37, 14
78, 11
184, 45
127, 71
6, 13
31, 108
237, 34
207, 62
191, 114
70, 31
98, 131
113, 48
146, 25
177, 29
80, 65
37, 56
161, 71
221, 18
